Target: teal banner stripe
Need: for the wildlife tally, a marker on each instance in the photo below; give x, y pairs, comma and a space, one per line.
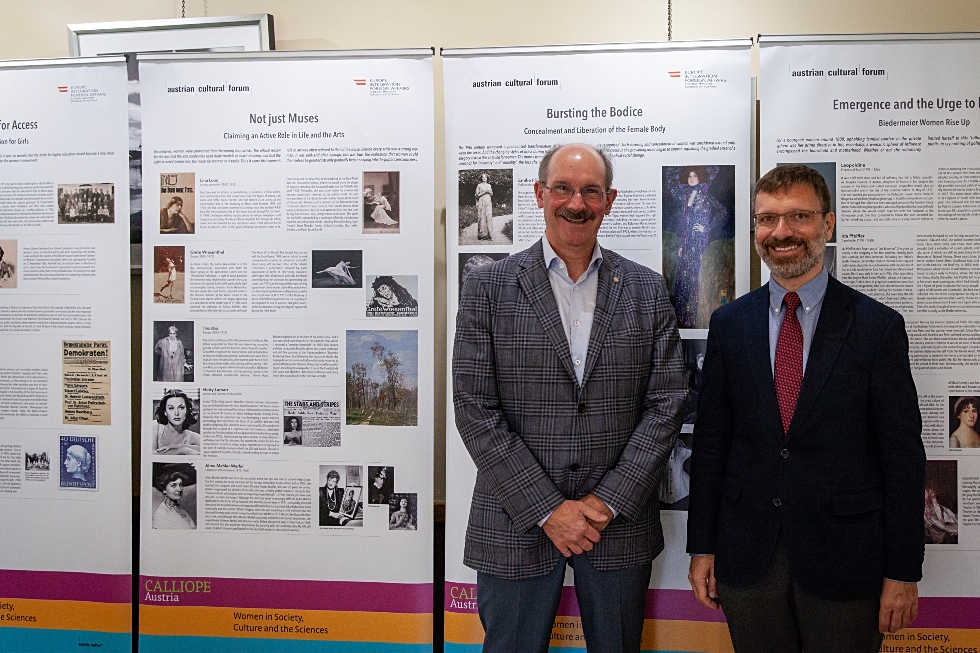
172, 643
32, 640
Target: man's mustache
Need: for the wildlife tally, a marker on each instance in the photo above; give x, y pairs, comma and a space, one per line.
575, 217
783, 242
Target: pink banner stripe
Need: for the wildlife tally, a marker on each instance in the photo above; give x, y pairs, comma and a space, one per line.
286, 594
66, 586
679, 605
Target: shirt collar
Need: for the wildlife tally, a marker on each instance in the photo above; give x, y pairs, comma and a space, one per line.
811, 293
550, 256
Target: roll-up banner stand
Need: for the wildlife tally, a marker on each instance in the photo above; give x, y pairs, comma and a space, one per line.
65, 468
892, 121
676, 119
288, 332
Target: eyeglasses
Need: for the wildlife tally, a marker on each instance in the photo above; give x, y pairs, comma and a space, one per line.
793, 219
590, 194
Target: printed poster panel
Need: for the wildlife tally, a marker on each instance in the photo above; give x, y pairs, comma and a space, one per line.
893, 125
65, 470
287, 354
679, 138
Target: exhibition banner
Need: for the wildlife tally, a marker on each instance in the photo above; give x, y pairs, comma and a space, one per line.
892, 123
65, 468
676, 119
287, 355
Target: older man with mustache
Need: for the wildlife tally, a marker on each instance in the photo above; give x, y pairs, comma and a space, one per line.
568, 385
805, 518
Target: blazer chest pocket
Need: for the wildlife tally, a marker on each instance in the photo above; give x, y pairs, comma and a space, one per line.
859, 502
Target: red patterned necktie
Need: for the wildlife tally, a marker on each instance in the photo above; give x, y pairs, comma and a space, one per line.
789, 361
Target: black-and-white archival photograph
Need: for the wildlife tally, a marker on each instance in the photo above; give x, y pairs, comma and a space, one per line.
381, 481
941, 509
86, 203
174, 499
469, 261
382, 202
173, 351
8, 263
177, 422
168, 274
37, 460
486, 206
337, 268
392, 295
694, 350
292, 430
177, 203
341, 503
403, 512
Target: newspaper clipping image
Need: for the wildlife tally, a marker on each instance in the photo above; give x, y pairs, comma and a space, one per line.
311, 423
86, 382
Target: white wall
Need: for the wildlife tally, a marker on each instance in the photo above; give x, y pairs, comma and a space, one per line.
36, 28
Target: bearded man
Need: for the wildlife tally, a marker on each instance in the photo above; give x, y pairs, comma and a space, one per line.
808, 470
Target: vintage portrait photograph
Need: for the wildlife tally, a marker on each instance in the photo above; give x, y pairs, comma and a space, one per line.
86, 203
382, 484
486, 206
383, 378
336, 268
392, 296
827, 170
173, 351
469, 261
341, 503
963, 430
941, 502
37, 460
174, 497
403, 512
382, 203
79, 462
292, 430
698, 240
177, 203
694, 350
8, 263
177, 422
168, 274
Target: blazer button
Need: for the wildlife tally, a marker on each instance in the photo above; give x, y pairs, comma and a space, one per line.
581, 408
776, 502
784, 453
574, 467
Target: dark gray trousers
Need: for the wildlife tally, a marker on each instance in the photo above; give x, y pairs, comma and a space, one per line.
773, 615
518, 615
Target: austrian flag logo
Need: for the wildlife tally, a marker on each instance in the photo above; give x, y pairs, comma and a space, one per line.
674, 74
62, 89
361, 82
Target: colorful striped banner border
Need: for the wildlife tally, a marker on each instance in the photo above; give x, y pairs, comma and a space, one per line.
32, 640
680, 605
158, 644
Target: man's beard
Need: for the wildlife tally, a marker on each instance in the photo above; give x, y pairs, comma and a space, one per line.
809, 258
576, 217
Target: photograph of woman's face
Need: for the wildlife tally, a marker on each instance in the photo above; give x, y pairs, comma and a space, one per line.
294, 424
175, 490
176, 412
968, 415
385, 291
331, 482
403, 504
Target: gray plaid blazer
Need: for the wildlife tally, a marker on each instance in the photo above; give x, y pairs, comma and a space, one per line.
538, 438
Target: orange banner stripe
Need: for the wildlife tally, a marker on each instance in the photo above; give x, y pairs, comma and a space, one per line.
658, 635
67, 615
389, 627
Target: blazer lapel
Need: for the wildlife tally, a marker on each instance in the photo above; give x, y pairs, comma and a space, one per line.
755, 325
835, 321
533, 279
607, 297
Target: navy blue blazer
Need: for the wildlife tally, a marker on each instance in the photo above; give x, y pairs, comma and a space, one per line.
845, 484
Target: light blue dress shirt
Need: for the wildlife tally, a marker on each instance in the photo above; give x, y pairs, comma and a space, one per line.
808, 312
576, 301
